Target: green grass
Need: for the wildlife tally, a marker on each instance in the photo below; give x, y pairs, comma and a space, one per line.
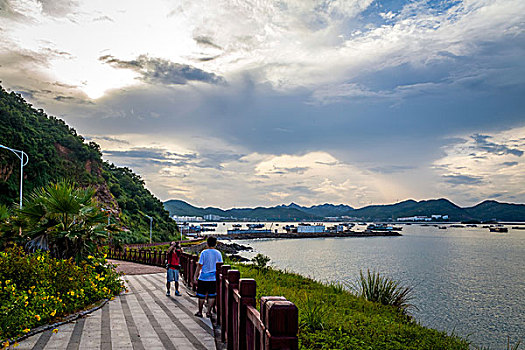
330, 317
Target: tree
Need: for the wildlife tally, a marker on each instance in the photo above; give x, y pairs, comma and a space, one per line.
65, 220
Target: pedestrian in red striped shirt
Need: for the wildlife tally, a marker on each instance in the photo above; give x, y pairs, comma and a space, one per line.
173, 267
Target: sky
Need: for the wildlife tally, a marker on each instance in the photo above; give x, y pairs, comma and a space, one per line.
232, 103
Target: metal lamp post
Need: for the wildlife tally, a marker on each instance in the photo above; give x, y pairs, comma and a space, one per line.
20, 155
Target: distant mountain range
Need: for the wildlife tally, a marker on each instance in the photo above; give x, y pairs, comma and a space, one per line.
487, 210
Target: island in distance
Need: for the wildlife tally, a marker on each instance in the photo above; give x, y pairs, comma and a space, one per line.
442, 210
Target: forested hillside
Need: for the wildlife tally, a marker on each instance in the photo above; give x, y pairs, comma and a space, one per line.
485, 211
57, 152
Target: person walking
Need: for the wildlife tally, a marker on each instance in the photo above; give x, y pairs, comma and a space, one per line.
205, 276
173, 267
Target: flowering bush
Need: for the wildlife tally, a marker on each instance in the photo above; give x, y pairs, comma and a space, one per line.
36, 288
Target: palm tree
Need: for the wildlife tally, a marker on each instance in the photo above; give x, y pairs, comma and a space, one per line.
64, 219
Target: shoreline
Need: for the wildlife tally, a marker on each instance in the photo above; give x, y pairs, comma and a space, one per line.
240, 236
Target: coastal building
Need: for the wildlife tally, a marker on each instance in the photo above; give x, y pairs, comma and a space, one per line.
436, 217
307, 228
183, 219
211, 217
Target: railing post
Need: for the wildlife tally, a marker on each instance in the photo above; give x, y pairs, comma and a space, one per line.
281, 320
218, 267
247, 291
224, 301
194, 261
231, 284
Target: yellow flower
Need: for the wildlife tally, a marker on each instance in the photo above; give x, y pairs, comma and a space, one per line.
26, 330
90, 257
53, 313
27, 302
38, 318
15, 344
55, 330
7, 281
5, 344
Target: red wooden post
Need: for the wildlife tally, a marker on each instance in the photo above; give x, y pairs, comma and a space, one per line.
184, 263
282, 324
224, 303
155, 260
218, 267
247, 291
194, 261
231, 314
264, 301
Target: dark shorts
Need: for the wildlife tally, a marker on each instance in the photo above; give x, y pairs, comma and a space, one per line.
206, 288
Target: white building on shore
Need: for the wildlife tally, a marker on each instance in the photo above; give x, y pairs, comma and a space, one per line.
183, 219
307, 228
424, 218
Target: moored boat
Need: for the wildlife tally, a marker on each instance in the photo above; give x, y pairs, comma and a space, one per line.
498, 228
383, 227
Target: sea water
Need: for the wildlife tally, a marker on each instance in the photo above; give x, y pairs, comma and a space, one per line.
468, 281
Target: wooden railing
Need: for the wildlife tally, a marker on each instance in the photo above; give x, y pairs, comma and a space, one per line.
147, 245
243, 327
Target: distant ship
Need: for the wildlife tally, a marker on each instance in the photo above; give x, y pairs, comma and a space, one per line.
498, 228
255, 226
383, 227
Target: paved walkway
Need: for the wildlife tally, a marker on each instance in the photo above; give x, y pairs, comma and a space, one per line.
142, 318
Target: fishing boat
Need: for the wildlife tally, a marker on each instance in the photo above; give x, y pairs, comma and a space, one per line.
253, 226
383, 227
498, 228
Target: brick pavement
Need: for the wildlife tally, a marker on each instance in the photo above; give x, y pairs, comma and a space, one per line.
142, 318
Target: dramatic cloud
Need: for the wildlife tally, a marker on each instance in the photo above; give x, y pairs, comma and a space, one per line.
157, 70
356, 101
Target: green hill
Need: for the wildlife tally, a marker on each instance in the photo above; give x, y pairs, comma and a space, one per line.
487, 210
411, 208
57, 152
499, 211
181, 208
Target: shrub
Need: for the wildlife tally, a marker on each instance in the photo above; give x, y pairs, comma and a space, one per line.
384, 290
261, 261
36, 288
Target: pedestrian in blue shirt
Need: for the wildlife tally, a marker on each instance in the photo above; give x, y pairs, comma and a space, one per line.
205, 276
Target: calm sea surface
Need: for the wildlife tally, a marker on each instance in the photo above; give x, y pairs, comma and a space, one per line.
466, 280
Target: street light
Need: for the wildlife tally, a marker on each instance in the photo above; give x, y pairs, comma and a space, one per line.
150, 225
20, 155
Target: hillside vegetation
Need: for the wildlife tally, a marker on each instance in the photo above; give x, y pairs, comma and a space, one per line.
57, 152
